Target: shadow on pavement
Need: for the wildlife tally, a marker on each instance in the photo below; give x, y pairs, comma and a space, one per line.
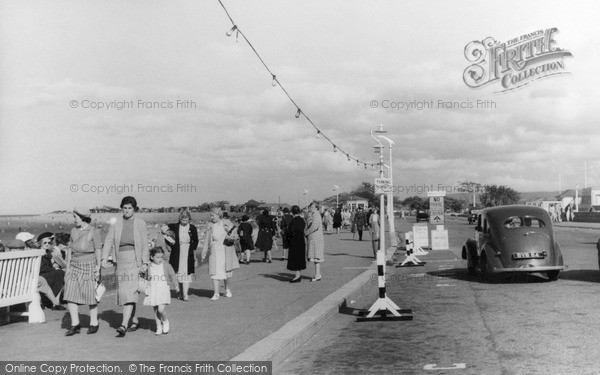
592, 276
346, 310
279, 277
504, 278
201, 292
350, 255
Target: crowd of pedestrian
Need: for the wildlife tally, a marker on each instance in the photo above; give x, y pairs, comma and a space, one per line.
72, 265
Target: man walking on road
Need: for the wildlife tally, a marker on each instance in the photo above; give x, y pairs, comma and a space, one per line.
360, 221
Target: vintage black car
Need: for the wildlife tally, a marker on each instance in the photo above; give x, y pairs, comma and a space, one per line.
513, 239
422, 215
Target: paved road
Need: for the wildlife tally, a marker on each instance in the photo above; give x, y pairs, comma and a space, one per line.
464, 325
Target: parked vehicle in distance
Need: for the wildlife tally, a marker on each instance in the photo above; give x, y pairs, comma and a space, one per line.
513, 239
472, 215
422, 215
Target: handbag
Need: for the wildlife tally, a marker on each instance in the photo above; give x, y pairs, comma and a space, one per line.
143, 284
229, 241
100, 289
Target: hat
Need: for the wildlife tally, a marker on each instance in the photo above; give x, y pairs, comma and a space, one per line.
25, 236
15, 244
45, 235
83, 212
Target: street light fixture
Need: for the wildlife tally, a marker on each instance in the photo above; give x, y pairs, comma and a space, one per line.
306, 200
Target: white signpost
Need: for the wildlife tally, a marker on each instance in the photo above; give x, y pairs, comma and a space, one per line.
436, 207
439, 240
383, 186
421, 236
439, 237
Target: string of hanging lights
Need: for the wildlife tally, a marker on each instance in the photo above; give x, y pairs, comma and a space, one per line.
276, 83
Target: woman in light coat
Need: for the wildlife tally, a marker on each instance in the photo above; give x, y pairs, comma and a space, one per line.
315, 240
128, 239
222, 259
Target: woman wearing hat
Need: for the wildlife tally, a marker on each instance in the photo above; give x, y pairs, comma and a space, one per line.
53, 275
128, 238
83, 270
245, 234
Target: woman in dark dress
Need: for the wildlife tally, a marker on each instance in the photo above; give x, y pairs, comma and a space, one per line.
245, 233
337, 220
53, 275
182, 252
264, 241
297, 253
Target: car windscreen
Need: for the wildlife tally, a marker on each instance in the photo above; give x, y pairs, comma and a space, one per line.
523, 221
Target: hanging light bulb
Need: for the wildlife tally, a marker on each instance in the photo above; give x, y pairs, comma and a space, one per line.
274, 83
365, 165
334, 148
230, 32
298, 112
373, 166
318, 134
348, 157
358, 162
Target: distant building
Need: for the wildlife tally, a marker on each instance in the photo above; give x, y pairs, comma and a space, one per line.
273, 207
355, 204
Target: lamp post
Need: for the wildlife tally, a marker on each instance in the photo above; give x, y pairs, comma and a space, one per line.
384, 304
379, 150
576, 198
337, 201
306, 199
393, 241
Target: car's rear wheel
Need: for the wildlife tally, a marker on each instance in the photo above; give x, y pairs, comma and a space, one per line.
483, 265
471, 262
552, 275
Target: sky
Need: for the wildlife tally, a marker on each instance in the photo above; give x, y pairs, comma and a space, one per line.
233, 136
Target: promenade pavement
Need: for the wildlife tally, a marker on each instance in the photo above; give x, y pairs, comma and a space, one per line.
201, 330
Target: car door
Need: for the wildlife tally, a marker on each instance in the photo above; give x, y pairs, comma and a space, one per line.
479, 234
485, 236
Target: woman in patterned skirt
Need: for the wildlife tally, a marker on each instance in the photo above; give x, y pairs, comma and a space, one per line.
83, 270
128, 238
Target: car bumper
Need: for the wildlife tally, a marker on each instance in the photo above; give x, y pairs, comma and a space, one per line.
528, 269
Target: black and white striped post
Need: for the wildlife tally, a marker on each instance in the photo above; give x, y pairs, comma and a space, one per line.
411, 259
379, 310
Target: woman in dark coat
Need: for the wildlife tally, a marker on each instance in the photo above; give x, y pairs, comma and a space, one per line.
297, 253
337, 220
53, 275
182, 252
264, 241
245, 233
